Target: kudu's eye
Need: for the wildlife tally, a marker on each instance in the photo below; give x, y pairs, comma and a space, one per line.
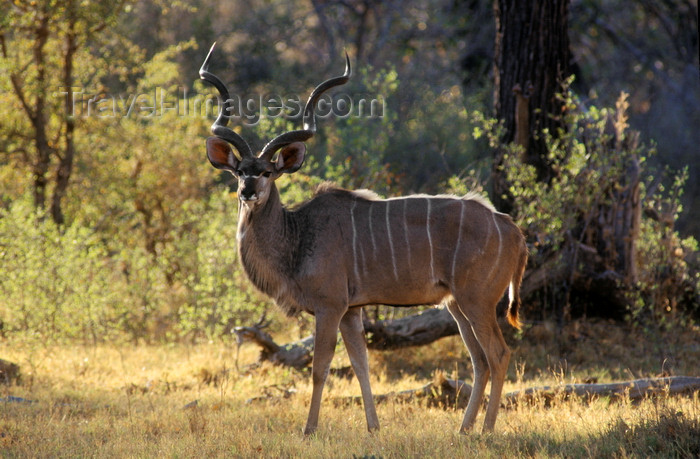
266, 174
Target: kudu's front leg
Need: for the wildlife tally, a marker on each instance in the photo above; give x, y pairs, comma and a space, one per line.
353, 333
324, 348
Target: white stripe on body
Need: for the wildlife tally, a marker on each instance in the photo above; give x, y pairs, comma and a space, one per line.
391, 241
430, 241
371, 233
459, 239
354, 241
498, 256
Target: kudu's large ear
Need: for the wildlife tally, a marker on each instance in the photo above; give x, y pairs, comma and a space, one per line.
291, 157
221, 155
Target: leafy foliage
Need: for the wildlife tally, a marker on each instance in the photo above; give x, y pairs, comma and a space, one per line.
598, 219
147, 248
53, 280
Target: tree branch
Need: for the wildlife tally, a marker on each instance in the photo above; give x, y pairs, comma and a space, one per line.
16, 85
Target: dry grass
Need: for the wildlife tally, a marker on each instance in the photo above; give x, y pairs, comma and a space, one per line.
110, 401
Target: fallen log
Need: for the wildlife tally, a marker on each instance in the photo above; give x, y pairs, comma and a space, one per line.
441, 392
627, 390
9, 372
416, 330
450, 393
453, 393
296, 355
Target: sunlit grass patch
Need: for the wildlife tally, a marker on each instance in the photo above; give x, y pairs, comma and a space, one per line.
194, 401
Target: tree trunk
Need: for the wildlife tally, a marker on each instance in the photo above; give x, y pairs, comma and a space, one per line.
65, 164
531, 60
40, 166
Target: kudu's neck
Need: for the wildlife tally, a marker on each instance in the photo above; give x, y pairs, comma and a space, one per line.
264, 223
268, 241
263, 235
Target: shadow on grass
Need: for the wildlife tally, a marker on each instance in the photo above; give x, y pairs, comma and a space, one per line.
667, 434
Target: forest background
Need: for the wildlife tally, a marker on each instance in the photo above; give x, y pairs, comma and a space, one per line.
114, 227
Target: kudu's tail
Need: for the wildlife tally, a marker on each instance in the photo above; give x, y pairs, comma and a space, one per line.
514, 289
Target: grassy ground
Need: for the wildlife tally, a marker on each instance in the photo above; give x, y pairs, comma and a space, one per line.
139, 401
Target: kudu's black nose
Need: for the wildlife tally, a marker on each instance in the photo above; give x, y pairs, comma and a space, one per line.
246, 190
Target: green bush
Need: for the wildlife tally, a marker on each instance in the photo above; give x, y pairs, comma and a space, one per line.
53, 281
601, 208
65, 283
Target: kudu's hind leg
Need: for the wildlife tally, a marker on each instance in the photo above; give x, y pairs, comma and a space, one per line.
498, 356
479, 363
353, 333
482, 317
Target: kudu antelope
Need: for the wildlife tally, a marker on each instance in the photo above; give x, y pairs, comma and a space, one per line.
343, 249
